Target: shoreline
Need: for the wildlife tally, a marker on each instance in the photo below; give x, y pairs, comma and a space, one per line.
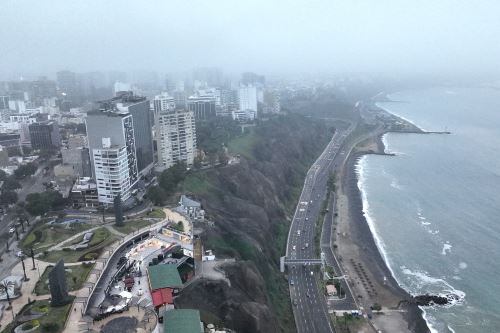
365, 251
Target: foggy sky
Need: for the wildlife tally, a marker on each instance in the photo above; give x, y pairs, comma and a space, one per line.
267, 36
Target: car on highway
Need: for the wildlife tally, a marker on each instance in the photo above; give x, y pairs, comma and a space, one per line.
308, 295
312, 273
12, 230
291, 282
294, 247
298, 232
307, 244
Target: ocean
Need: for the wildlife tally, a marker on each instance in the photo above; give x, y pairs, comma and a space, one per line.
434, 208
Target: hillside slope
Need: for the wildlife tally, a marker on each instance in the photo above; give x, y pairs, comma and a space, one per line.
251, 204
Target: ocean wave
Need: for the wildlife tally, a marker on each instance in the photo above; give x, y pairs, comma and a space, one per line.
423, 283
395, 184
360, 169
429, 320
446, 248
388, 149
422, 218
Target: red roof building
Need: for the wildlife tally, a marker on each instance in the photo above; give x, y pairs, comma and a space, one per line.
162, 296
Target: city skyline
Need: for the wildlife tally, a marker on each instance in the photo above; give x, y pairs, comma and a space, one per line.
273, 38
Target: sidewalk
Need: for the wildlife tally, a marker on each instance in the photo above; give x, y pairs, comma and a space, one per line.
27, 288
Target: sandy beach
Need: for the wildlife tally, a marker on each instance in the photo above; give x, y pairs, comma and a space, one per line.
369, 276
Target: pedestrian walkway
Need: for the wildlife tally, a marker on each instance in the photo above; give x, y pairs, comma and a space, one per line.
27, 288
60, 245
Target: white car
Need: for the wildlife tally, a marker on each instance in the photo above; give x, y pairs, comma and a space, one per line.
20, 254
294, 247
12, 230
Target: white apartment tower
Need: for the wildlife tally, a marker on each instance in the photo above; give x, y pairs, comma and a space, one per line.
112, 151
175, 137
163, 103
248, 98
111, 172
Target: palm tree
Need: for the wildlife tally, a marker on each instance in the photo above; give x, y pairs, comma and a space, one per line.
4, 288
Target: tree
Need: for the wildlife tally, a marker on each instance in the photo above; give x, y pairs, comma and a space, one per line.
3, 175
25, 170
41, 203
157, 195
8, 197
172, 176
4, 286
11, 183
197, 162
117, 203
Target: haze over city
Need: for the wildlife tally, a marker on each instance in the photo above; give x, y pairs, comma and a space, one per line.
238, 166
268, 36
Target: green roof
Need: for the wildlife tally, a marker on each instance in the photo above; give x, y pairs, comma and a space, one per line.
164, 276
182, 321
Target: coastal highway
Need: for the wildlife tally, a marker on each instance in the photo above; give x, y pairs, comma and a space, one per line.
309, 304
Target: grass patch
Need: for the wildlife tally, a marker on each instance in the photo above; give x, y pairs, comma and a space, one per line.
156, 213
244, 144
75, 277
131, 226
101, 239
52, 322
197, 182
44, 235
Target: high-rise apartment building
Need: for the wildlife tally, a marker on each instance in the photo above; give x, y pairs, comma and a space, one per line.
203, 107
163, 103
175, 137
111, 140
138, 108
44, 135
248, 98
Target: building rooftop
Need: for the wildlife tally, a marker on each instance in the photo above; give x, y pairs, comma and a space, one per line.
163, 276
125, 98
182, 321
187, 202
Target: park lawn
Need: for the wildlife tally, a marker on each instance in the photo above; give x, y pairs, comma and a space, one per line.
156, 213
131, 226
101, 239
75, 277
44, 235
52, 322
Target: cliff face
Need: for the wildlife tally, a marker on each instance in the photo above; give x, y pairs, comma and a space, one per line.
251, 204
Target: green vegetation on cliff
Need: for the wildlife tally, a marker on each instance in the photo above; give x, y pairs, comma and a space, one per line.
252, 202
